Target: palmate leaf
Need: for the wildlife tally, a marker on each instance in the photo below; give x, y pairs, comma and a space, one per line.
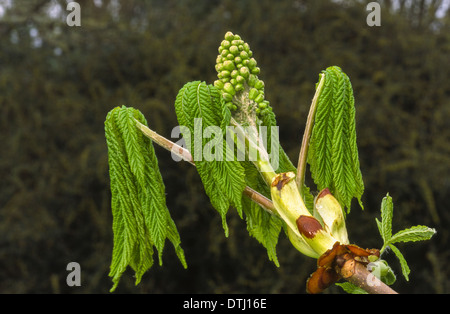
199, 106
415, 233
141, 220
333, 153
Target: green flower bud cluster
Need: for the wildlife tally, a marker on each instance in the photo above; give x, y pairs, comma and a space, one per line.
237, 72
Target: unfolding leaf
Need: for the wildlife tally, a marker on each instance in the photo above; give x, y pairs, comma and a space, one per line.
403, 263
141, 219
351, 288
333, 153
415, 233
199, 106
387, 211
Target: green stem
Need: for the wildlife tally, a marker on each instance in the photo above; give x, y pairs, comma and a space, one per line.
262, 161
285, 195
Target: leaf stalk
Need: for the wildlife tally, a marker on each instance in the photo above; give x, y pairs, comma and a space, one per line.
301, 166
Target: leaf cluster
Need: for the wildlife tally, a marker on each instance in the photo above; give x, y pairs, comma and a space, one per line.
412, 234
225, 179
333, 153
141, 219
198, 106
415, 233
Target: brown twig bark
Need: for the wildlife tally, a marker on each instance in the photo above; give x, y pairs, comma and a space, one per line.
358, 274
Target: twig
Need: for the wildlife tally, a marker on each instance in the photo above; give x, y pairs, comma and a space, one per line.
165, 143
301, 166
358, 274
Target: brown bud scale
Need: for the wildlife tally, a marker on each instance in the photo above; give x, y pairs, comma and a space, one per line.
323, 193
308, 226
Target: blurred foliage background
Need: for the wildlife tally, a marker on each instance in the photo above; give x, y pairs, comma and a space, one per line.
57, 83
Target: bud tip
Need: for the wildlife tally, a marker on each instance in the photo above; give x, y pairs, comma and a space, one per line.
323, 193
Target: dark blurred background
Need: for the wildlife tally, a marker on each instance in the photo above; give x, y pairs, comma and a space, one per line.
57, 83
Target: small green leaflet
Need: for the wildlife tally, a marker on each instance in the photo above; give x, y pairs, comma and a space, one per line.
403, 264
415, 233
351, 288
141, 220
387, 211
333, 153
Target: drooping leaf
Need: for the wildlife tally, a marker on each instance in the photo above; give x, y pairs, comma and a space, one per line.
141, 219
224, 181
199, 107
262, 225
333, 153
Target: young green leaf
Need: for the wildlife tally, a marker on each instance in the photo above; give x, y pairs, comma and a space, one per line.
351, 288
264, 227
199, 106
387, 211
141, 219
333, 153
224, 181
415, 233
403, 263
